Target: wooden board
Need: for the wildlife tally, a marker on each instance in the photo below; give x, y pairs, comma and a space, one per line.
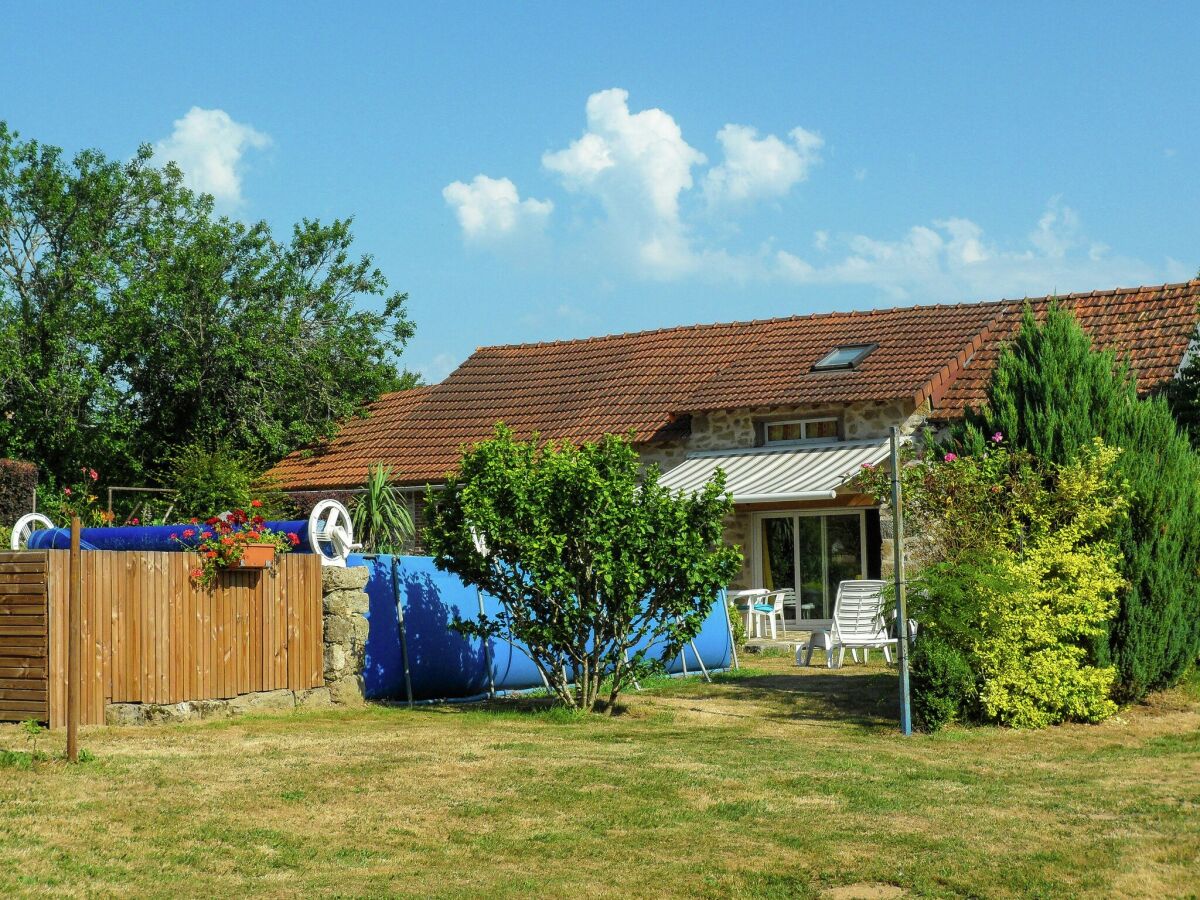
24, 637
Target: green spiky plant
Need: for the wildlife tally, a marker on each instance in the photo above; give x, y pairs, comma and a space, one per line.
382, 520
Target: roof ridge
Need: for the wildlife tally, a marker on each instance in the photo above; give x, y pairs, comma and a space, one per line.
851, 313
743, 323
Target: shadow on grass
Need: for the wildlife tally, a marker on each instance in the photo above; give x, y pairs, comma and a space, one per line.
867, 698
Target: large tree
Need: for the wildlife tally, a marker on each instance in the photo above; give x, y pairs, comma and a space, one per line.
602, 573
1052, 393
134, 320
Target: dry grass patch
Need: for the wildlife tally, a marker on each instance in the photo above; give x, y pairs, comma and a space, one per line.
773, 782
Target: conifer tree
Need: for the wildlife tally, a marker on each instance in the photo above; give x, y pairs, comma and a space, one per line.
1052, 393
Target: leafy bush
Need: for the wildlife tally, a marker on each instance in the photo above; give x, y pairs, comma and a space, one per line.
18, 481
1051, 393
212, 480
942, 682
592, 561
1017, 578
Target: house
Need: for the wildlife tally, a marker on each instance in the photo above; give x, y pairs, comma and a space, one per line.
790, 408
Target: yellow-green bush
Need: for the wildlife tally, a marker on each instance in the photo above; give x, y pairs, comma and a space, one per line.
1017, 579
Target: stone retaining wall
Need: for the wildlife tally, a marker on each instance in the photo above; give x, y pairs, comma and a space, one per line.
344, 604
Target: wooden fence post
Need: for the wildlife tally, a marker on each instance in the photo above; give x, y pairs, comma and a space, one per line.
74, 597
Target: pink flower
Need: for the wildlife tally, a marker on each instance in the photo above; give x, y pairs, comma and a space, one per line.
135, 521
92, 474
67, 491
174, 536
950, 457
997, 437
868, 466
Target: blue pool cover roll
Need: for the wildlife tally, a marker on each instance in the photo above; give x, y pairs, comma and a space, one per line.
144, 537
445, 665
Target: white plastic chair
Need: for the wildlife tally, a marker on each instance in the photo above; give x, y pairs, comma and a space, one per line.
770, 608
857, 625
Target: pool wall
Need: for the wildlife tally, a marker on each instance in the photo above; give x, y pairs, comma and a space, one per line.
445, 665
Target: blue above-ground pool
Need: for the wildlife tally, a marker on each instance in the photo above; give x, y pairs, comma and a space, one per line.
445, 665
144, 537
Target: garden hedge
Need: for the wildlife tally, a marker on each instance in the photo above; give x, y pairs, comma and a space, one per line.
18, 481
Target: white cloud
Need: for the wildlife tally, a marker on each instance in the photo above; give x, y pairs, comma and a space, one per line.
636, 165
654, 223
1057, 230
491, 208
951, 259
208, 145
760, 168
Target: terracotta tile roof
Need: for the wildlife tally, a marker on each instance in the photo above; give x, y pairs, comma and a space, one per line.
917, 350
649, 382
1149, 327
361, 441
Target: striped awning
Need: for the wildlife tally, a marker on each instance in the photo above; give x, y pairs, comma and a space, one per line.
764, 474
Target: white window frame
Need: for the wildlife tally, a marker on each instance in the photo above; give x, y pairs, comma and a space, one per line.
803, 423
756, 520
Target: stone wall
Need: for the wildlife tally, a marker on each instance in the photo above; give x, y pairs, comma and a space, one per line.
668, 454
736, 429
344, 604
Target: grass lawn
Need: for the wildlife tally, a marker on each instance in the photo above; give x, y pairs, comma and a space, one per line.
772, 782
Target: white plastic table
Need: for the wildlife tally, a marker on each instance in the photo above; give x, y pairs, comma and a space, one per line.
748, 598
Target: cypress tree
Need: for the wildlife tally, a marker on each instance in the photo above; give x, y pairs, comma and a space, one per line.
1051, 393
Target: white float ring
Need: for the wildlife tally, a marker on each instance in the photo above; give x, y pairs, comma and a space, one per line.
24, 529
331, 533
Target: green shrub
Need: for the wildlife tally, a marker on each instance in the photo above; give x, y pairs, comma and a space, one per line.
942, 682
1051, 393
208, 480
736, 623
592, 560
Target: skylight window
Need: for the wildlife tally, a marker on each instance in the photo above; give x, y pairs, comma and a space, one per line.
844, 357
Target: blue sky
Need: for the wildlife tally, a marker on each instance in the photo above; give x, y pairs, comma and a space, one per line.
559, 170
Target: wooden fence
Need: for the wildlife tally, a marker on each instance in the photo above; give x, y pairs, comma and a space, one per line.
23, 637
149, 636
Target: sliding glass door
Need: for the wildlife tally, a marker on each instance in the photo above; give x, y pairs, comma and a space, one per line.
810, 553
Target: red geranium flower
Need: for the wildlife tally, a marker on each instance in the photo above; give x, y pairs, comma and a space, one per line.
294, 538
257, 504
189, 532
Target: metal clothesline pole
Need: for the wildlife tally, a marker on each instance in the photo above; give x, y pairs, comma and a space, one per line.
898, 575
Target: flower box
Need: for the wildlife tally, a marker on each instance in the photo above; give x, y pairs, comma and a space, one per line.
257, 556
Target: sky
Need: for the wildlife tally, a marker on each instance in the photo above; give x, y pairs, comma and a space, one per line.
532, 172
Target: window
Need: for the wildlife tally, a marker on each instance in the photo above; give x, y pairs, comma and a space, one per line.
825, 429
844, 357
